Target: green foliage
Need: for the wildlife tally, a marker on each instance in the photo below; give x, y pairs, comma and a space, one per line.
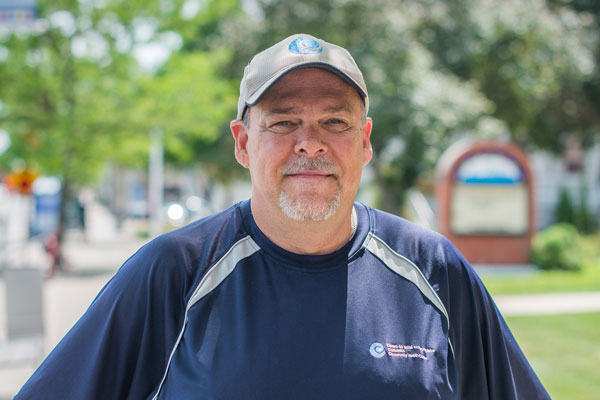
73, 96
531, 60
585, 220
564, 208
578, 215
59, 105
188, 101
557, 247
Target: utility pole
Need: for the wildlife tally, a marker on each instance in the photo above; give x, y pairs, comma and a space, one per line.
156, 182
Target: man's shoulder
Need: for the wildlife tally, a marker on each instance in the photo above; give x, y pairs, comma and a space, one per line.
223, 224
198, 244
427, 249
390, 226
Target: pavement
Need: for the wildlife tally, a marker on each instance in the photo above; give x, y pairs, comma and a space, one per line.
552, 303
92, 261
95, 258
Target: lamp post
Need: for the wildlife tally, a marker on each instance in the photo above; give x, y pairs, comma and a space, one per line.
156, 181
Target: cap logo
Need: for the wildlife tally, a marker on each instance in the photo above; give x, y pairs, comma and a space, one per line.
303, 45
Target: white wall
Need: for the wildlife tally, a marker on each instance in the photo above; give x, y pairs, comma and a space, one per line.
551, 176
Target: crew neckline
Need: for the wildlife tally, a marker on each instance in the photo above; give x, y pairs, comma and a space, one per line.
309, 261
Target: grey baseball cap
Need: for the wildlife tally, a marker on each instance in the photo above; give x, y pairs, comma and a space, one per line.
292, 53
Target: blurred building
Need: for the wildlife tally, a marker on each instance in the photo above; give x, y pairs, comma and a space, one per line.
17, 12
187, 194
580, 178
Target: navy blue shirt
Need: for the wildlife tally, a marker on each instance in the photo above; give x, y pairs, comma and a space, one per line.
215, 310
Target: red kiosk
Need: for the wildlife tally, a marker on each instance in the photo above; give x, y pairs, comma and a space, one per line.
485, 201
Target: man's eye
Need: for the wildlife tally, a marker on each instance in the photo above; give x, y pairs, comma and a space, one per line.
282, 126
336, 125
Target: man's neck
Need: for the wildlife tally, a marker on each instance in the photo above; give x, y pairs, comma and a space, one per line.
306, 237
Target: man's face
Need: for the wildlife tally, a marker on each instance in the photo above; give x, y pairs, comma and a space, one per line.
305, 145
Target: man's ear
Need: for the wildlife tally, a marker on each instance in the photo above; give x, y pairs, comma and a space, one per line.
240, 135
366, 141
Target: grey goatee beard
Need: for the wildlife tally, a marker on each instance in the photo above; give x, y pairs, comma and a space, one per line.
305, 207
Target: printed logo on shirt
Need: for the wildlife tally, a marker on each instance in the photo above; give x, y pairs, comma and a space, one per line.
378, 350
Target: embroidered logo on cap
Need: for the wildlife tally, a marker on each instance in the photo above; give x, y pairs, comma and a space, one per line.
303, 45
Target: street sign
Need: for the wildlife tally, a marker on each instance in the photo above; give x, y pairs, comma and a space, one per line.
21, 181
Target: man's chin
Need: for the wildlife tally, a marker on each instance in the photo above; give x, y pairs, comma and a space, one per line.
309, 208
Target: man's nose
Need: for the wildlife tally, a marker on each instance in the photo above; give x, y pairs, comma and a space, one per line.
310, 142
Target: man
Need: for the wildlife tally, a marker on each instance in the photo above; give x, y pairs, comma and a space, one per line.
298, 293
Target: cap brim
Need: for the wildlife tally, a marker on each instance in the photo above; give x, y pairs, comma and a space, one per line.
257, 95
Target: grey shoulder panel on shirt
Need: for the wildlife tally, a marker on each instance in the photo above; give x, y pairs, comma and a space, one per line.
243, 248
215, 275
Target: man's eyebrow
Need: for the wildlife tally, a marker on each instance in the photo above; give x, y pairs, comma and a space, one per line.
297, 110
341, 107
284, 110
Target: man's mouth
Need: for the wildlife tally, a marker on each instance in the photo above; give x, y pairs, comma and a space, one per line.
310, 168
310, 174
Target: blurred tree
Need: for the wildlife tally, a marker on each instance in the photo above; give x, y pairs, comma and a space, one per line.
531, 60
58, 81
188, 100
537, 61
585, 106
191, 97
72, 94
208, 29
565, 211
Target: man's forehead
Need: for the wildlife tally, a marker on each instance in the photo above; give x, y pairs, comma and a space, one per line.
310, 83
310, 77
278, 109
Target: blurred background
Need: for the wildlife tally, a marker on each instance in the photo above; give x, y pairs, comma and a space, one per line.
114, 128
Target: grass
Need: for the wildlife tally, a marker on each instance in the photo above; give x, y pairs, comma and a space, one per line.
586, 279
564, 350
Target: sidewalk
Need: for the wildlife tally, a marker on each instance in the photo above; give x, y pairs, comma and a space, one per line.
551, 303
537, 304
92, 261
65, 298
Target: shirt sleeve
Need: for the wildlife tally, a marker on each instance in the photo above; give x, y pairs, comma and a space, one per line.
490, 363
121, 345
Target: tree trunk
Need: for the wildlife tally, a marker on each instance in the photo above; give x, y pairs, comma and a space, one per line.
390, 197
65, 194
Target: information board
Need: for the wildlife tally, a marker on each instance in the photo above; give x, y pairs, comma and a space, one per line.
489, 197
